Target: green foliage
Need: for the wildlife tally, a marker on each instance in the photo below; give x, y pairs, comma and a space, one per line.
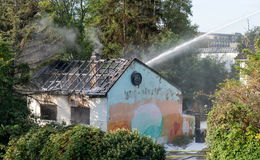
30, 145
15, 16
13, 110
175, 16
130, 27
127, 145
248, 39
13, 107
236, 136
81, 142
233, 124
78, 142
71, 14
124, 27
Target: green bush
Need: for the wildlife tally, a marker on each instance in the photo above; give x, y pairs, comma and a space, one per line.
30, 145
78, 142
235, 138
81, 142
234, 122
126, 145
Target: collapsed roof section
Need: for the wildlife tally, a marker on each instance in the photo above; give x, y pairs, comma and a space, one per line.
92, 78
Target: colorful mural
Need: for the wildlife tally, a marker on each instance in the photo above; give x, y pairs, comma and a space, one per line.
188, 125
147, 120
162, 120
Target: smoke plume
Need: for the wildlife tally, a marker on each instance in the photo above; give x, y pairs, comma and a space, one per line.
46, 40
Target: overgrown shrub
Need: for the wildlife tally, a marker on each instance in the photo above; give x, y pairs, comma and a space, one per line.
234, 122
126, 145
81, 142
30, 145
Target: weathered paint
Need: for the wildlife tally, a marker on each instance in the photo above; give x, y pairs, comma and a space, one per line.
154, 107
152, 86
98, 108
63, 107
148, 119
34, 106
188, 125
98, 113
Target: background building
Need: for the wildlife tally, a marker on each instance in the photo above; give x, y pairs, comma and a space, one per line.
222, 47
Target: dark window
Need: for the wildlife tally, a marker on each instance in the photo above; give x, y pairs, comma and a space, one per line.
80, 115
48, 112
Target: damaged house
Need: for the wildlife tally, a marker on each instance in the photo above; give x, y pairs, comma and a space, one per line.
110, 94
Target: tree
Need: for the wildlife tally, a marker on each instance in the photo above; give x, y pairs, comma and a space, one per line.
22, 24
13, 112
248, 39
130, 27
233, 124
71, 14
15, 17
175, 17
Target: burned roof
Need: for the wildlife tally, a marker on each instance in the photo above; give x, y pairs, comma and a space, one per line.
92, 78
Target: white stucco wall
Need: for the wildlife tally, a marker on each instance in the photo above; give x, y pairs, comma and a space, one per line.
63, 107
98, 113
98, 109
34, 106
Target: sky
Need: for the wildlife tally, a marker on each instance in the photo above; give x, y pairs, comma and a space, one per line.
212, 14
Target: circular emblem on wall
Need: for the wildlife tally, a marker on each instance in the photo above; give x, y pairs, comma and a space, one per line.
136, 78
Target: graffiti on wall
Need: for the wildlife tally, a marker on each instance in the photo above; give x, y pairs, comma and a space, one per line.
160, 119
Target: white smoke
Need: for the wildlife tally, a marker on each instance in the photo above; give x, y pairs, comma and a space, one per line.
46, 40
92, 34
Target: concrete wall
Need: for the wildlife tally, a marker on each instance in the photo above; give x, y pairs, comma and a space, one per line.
154, 107
98, 108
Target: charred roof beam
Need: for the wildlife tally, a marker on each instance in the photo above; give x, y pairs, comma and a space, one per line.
55, 80
92, 76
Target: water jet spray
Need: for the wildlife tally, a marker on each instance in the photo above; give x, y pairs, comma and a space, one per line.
163, 56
